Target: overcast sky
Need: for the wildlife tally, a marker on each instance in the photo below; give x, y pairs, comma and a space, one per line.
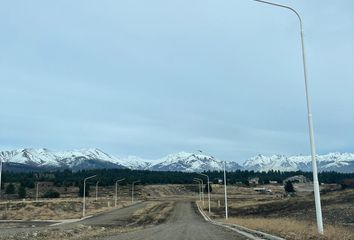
149, 78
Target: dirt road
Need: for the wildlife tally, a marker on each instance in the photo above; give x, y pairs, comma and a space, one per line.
183, 224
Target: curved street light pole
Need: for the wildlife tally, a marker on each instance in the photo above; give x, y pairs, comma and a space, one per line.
201, 188
208, 186
310, 121
84, 196
133, 190
116, 192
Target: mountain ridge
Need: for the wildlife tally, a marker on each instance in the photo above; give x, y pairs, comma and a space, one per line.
92, 158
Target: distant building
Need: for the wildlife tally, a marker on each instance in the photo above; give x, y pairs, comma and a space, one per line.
296, 179
263, 190
253, 181
273, 182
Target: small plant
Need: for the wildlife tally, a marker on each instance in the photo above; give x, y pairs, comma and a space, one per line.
22, 192
87, 190
51, 193
10, 189
206, 188
289, 187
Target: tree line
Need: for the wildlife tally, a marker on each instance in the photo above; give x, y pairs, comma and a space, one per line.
107, 177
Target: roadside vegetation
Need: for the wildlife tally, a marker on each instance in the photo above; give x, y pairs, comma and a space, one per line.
289, 216
58, 209
292, 229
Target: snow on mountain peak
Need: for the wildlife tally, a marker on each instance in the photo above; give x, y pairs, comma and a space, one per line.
181, 161
327, 162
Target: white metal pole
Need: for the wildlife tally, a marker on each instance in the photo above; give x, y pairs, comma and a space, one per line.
133, 190
226, 211
116, 191
37, 191
202, 191
310, 122
208, 186
209, 194
97, 190
84, 196
116, 195
199, 189
198, 185
84, 202
313, 148
0, 175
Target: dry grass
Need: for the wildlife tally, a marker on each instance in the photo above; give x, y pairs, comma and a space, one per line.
291, 218
337, 208
54, 210
80, 232
293, 229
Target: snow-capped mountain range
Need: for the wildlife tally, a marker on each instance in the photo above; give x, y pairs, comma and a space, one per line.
36, 159
95, 158
340, 162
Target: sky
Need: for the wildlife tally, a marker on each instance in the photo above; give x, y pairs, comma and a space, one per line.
149, 78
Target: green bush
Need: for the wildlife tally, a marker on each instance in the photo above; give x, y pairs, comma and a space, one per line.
289, 187
87, 190
22, 192
51, 193
10, 189
206, 188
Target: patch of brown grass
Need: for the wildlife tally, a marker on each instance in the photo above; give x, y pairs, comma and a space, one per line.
54, 210
80, 232
293, 229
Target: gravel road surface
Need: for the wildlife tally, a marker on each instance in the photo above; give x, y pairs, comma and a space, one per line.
183, 224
